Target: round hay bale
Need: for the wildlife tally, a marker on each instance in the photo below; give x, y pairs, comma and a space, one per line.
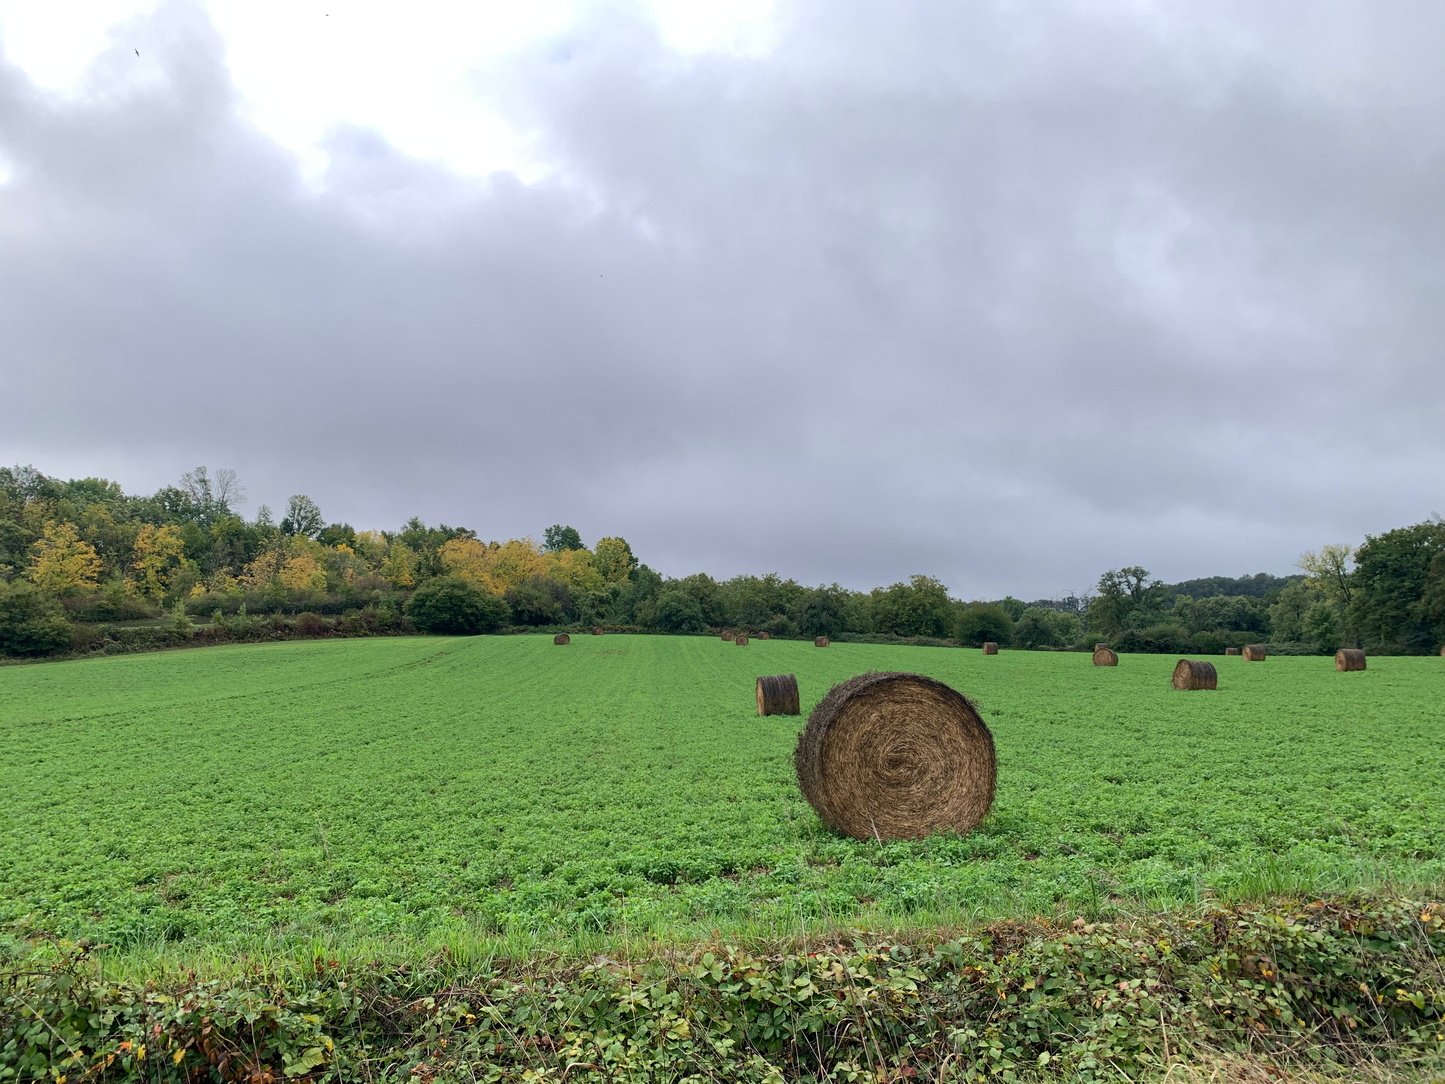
729, 635
1231, 651
990, 648
1254, 653
1105, 656
896, 756
778, 695
741, 640
1349, 658
763, 636
561, 638
1194, 674
596, 630
823, 641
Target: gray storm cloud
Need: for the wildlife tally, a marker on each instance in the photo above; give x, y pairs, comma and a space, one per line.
1003, 293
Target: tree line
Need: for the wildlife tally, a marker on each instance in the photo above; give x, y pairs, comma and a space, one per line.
84, 565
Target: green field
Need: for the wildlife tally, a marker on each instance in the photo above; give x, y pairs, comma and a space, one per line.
411, 791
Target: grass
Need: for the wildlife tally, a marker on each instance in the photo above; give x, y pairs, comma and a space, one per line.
503, 793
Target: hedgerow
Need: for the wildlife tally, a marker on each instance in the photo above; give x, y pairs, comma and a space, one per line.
1327, 982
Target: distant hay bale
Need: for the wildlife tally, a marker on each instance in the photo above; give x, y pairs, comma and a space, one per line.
1105, 656
741, 640
823, 641
596, 630
1194, 674
1442, 650
990, 648
729, 635
561, 638
896, 756
1254, 653
1349, 658
1231, 651
778, 695
763, 636
1097, 646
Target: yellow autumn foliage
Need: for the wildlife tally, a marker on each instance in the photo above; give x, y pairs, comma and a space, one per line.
62, 562
156, 554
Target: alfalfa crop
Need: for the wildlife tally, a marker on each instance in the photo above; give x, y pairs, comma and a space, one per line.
896, 756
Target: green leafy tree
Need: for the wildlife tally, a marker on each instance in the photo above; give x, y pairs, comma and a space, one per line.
557, 538
1125, 596
455, 607
541, 600
1321, 626
614, 560
303, 517
1037, 627
920, 607
31, 622
984, 622
1397, 600
679, 610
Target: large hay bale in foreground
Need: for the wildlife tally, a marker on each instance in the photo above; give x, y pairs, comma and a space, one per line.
1195, 674
896, 756
729, 635
823, 641
1105, 656
561, 638
741, 640
1254, 653
990, 648
1349, 658
1231, 651
778, 695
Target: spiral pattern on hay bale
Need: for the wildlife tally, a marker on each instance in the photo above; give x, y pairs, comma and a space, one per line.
990, 648
1195, 674
896, 756
823, 641
1349, 658
1231, 651
1254, 653
729, 636
741, 640
778, 695
1105, 656
561, 638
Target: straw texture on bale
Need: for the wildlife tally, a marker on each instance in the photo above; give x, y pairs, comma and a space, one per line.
778, 695
1194, 674
1231, 651
1254, 653
561, 638
823, 641
596, 630
763, 636
729, 635
741, 640
1349, 658
1105, 656
896, 756
990, 648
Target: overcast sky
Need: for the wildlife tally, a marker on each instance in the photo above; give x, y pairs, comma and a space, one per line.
1007, 293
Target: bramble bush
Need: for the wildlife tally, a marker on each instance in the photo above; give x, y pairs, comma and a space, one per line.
1325, 983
